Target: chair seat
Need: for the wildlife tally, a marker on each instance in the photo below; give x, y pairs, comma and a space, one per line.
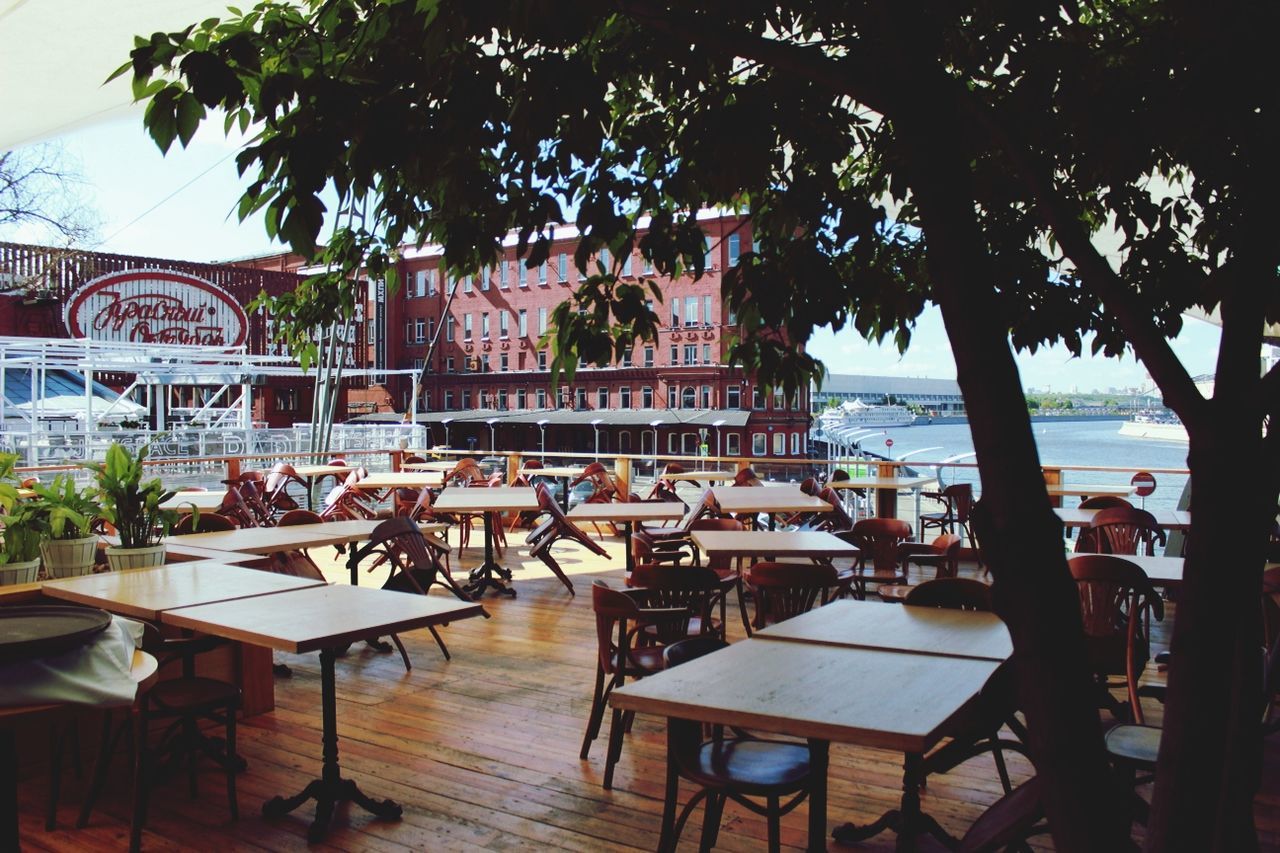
647, 658
895, 592
1137, 745
759, 767
183, 694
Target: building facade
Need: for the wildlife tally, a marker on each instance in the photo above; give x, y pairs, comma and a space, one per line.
929, 397
487, 364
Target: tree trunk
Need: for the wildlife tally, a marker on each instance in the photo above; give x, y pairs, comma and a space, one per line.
1210, 752
1022, 539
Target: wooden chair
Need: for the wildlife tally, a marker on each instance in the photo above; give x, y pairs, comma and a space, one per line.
205, 522
622, 617
185, 700
557, 526
664, 488
277, 484
952, 594
722, 565
784, 590
958, 503
942, 554
808, 486
659, 539
298, 562
1105, 502
1126, 531
1116, 599
699, 588
877, 539
737, 768
838, 520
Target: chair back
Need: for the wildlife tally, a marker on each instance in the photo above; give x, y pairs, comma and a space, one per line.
1125, 530
412, 459
205, 522
697, 588
840, 475
718, 562
414, 566
838, 520
746, 477
879, 538
959, 500
1105, 502
299, 516
783, 590
952, 594
948, 545
809, 486
235, 507
618, 620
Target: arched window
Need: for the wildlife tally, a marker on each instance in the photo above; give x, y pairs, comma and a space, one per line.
688, 398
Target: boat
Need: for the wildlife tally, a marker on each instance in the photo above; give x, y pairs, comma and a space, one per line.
1155, 425
860, 415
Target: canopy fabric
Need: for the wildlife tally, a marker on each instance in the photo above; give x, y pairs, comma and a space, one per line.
565, 417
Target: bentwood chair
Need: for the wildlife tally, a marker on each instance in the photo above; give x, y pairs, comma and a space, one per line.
698, 588
741, 768
784, 590
943, 554
1115, 600
557, 526
205, 522
622, 617
877, 539
957, 500
1087, 539
1126, 531
277, 484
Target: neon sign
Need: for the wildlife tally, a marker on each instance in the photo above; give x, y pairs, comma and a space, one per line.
154, 306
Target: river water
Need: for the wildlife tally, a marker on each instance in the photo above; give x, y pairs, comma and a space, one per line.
1070, 443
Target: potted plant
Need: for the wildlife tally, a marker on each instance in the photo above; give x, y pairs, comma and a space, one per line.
20, 546
133, 507
64, 516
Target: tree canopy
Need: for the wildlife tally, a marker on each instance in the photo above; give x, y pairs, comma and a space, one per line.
887, 155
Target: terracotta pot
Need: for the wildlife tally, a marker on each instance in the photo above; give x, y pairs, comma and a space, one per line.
124, 559
15, 573
65, 558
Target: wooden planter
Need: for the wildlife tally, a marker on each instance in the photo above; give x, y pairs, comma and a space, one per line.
124, 559
65, 558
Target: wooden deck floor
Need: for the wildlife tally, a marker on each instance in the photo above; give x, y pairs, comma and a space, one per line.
482, 752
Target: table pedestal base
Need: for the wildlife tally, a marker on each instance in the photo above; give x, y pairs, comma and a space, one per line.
908, 821
330, 789
482, 577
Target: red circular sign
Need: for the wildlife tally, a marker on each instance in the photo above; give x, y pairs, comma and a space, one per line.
1143, 483
888, 442
156, 307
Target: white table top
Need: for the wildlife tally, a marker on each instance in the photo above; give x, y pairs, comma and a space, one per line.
1161, 571
269, 540
709, 476
882, 483
1168, 519
145, 593
896, 627
615, 511
779, 543
304, 620
205, 501
437, 465
322, 470
868, 697
482, 499
1086, 491
763, 499
401, 480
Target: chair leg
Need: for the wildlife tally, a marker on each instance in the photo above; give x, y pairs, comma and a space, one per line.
712, 815
597, 714
742, 604
616, 728
667, 840
141, 780
56, 743
106, 746
775, 825
404, 654
231, 762
550, 562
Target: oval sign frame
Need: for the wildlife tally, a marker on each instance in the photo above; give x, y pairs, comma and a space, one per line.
143, 297
1143, 483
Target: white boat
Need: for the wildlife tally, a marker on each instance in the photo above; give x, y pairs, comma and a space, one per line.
1159, 427
859, 415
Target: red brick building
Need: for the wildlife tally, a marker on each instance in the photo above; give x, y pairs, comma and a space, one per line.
489, 378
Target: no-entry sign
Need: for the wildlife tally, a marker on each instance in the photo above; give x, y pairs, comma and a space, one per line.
1143, 484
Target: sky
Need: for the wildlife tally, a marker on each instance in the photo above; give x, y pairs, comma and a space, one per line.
182, 206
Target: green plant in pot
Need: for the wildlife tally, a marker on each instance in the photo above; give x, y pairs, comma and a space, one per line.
132, 505
64, 513
20, 542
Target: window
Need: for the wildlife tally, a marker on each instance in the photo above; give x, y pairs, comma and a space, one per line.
706, 261
690, 353
757, 399
504, 275
624, 397
417, 365
448, 399
421, 282
502, 397
624, 442
675, 311
484, 363
542, 359
706, 310
521, 274
602, 398
626, 359
504, 323
732, 444
426, 401
648, 356
778, 400
706, 396
542, 398
675, 354
733, 397
448, 365
503, 362
673, 443
795, 444
466, 327
522, 323
286, 400
564, 268
673, 397
689, 398
759, 444
580, 398
735, 243
370, 331
604, 259
466, 399
626, 265
466, 284
484, 325
453, 283
779, 443
691, 311
431, 328
706, 353
448, 327
648, 266
419, 330
646, 397
542, 320
522, 398
542, 273
733, 317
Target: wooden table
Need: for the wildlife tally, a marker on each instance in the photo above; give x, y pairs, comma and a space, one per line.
564, 473
402, 480
823, 693
627, 514
487, 501
771, 543
311, 472
438, 465
886, 489
771, 500
1059, 490
322, 618
922, 630
146, 593
1168, 519
709, 476
204, 501
1161, 571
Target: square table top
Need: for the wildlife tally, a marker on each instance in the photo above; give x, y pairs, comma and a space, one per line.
1168, 519
1087, 491
269, 540
401, 480
305, 620
1161, 571
881, 482
321, 470
897, 627
191, 552
436, 465
870, 697
492, 498
709, 476
557, 471
778, 543
146, 593
766, 499
615, 511
205, 501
